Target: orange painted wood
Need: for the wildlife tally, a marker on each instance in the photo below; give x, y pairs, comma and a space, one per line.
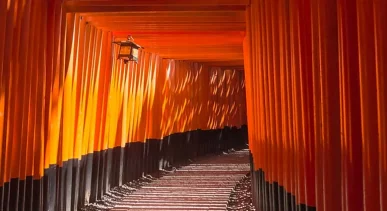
312, 65
155, 5
29, 93
3, 22
380, 31
178, 33
314, 77
167, 17
368, 105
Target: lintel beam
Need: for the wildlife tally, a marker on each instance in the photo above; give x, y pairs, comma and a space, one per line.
155, 5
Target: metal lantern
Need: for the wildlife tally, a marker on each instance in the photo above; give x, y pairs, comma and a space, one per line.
128, 50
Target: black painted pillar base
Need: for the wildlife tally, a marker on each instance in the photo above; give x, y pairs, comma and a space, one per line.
81, 181
272, 196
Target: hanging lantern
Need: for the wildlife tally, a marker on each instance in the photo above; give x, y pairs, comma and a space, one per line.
128, 50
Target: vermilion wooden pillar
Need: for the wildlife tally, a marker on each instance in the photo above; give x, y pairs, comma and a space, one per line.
380, 30
351, 141
365, 12
327, 103
332, 113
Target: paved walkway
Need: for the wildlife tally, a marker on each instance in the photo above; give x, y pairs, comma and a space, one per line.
203, 185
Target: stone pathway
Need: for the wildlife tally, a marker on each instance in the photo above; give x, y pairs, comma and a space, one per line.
203, 185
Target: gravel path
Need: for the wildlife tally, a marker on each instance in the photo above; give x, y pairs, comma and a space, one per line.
240, 198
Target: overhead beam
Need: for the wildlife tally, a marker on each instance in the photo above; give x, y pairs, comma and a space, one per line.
167, 14
239, 68
207, 61
201, 57
173, 27
202, 50
198, 53
231, 33
160, 19
155, 5
197, 38
195, 46
230, 63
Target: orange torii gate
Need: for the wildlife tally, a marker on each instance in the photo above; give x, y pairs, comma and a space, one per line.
72, 117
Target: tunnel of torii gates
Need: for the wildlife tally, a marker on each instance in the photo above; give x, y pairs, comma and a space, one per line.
308, 78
